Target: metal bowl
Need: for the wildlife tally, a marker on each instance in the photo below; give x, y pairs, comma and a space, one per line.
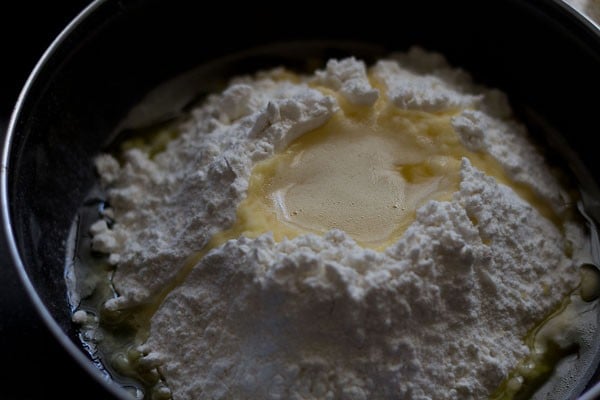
540, 52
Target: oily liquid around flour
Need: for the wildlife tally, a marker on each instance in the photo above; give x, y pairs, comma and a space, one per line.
356, 148
88, 277
111, 339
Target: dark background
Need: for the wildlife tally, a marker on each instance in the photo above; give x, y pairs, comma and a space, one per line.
34, 364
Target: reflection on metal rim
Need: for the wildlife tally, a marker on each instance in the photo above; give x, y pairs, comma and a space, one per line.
7, 228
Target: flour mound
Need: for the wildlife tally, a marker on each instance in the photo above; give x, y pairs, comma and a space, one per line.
440, 314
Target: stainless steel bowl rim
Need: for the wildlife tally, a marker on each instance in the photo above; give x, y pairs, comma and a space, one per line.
39, 305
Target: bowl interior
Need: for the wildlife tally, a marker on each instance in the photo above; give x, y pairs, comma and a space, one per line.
544, 57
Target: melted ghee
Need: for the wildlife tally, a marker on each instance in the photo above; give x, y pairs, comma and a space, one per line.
365, 171
549, 342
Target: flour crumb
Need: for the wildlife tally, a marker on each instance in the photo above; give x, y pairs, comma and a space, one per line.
349, 77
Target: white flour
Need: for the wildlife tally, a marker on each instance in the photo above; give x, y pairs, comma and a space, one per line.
440, 314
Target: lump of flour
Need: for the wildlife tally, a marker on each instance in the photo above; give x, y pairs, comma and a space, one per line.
167, 208
439, 312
